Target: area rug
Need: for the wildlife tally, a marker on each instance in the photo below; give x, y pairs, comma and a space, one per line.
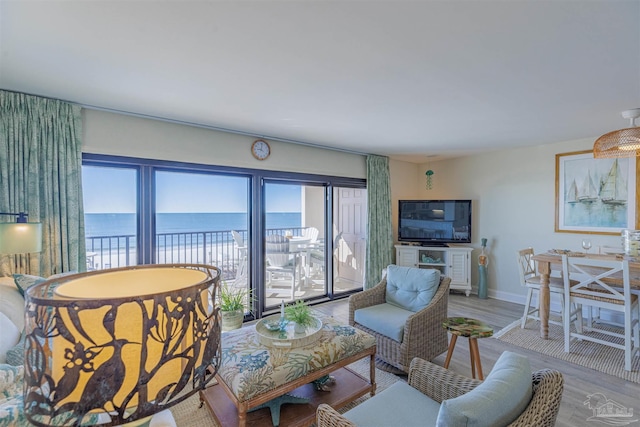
188, 413
591, 355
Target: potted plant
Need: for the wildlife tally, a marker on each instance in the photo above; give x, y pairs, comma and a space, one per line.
232, 302
300, 314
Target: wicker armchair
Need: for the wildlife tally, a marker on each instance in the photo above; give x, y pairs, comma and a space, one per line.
441, 384
424, 335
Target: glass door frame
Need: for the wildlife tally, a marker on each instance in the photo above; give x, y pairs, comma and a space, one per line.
146, 211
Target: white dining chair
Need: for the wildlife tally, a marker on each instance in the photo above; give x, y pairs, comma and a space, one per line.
603, 284
530, 279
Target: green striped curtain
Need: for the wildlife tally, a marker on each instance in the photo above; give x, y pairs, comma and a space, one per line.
40, 174
379, 233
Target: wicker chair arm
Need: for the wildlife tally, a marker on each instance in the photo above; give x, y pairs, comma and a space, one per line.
431, 316
437, 382
545, 403
367, 298
326, 416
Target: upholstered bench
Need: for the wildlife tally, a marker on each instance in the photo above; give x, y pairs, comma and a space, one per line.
251, 373
510, 395
250, 368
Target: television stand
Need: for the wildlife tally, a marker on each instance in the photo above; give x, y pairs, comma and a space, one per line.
452, 261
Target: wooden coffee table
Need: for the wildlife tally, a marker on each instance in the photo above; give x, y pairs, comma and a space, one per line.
252, 374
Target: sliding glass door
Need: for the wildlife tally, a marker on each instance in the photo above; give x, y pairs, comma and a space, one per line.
294, 241
282, 236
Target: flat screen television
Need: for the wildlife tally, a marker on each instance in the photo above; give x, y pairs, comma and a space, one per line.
434, 222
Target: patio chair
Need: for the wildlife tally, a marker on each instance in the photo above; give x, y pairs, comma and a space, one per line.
280, 259
311, 233
241, 273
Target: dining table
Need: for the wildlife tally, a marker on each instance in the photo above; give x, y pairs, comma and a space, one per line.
550, 261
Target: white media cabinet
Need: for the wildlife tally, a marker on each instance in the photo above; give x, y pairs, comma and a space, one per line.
452, 261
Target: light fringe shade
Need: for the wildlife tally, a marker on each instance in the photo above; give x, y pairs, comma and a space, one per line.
114, 346
620, 143
20, 237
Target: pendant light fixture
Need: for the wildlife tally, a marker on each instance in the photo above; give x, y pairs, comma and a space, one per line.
620, 143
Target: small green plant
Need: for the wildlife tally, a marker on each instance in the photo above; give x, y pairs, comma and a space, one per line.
300, 313
231, 298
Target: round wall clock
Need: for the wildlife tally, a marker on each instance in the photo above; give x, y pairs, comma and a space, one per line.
260, 149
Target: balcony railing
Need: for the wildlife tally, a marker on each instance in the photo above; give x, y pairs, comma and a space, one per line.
199, 247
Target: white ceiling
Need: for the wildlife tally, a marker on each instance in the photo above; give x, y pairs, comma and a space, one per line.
408, 79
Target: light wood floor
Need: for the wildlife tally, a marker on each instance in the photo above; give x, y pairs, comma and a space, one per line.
579, 382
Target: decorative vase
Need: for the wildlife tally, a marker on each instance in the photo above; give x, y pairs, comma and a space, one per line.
483, 261
232, 319
299, 329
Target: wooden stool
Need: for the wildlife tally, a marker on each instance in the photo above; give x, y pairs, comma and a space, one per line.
472, 329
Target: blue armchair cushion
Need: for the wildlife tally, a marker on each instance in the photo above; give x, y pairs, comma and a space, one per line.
411, 288
498, 401
398, 405
385, 319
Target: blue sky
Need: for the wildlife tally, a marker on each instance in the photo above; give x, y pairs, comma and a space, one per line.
113, 190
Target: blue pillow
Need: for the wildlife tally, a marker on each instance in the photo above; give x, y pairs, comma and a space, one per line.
25, 281
411, 288
498, 401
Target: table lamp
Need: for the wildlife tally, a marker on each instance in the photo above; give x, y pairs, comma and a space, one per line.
20, 237
115, 346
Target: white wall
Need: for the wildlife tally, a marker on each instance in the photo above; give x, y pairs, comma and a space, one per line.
122, 135
513, 193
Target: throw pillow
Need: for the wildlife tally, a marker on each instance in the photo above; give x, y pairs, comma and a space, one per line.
25, 281
411, 288
498, 401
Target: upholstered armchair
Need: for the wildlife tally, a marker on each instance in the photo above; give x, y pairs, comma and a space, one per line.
397, 313
511, 395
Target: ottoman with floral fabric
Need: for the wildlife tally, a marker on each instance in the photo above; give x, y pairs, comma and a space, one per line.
252, 373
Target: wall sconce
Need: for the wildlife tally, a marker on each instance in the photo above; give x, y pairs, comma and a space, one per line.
20, 237
115, 346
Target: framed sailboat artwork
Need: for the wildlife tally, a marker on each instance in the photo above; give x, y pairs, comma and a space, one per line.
595, 196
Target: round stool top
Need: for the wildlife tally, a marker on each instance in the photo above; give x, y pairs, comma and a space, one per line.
466, 327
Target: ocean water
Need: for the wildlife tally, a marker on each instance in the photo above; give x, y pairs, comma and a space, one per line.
124, 224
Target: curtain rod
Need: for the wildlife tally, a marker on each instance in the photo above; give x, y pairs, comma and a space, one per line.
221, 129
199, 125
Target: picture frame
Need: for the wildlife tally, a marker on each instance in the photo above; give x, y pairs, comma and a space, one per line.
595, 196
